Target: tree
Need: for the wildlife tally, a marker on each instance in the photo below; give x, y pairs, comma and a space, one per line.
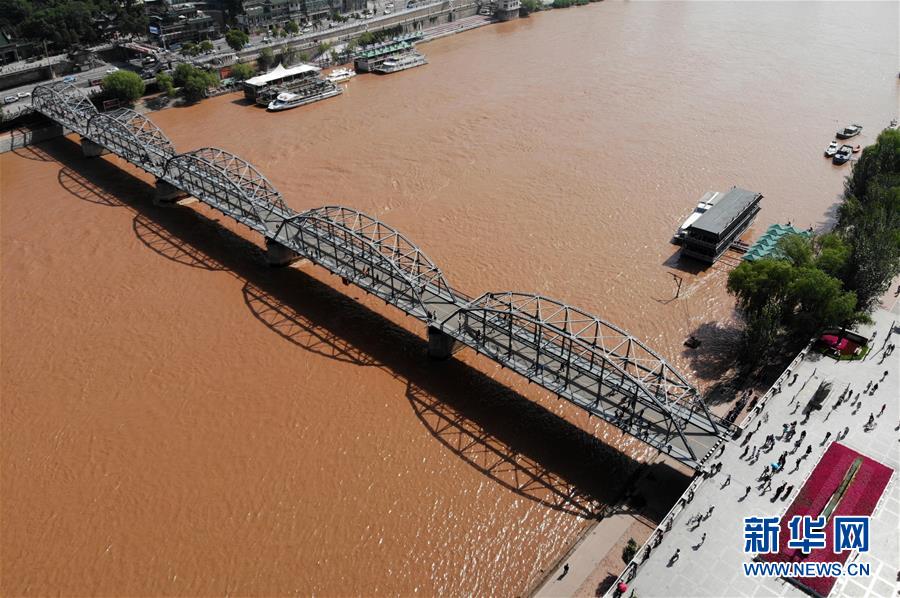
266, 59
197, 85
242, 71
194, 82
322, 48
123, 85
236, 39
529, 6
630, 550
292, 27
878, 164
289, 56
165, 84
206, 46
190, 49
796, 249
367, 38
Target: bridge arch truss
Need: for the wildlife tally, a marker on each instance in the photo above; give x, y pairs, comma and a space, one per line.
592, 363
371, 254
64, 103
230, 184
132, 136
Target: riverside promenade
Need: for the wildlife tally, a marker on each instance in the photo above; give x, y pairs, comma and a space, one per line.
710, 554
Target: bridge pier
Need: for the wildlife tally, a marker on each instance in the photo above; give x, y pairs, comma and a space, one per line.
279, 255
167, 194
440, 344
91, 149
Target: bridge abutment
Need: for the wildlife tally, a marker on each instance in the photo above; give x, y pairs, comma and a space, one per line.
440, 344
91, 149
167, 194
279, 255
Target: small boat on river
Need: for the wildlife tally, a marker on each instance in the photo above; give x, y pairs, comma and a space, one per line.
849, 131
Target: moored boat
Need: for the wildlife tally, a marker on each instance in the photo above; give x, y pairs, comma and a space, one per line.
400, 62
843, 154
340, 75
287, 100
831, 150
849, 131
708, 200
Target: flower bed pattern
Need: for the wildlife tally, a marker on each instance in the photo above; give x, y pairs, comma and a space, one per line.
859, 499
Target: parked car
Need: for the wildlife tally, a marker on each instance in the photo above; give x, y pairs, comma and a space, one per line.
23, 94
69, 79
111, 70
10, 99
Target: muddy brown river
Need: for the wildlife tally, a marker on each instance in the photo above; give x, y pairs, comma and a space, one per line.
179, 419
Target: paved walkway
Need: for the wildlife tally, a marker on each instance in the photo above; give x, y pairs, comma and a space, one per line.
712, 566
584, 556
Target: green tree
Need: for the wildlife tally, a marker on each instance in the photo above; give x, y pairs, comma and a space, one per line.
194, 82
878, 164
189, 49
123, 85
797, 249
292, 27
322, 48
206, 46
833, 252
242, 71
165, 84
367, 38
289, 56
630, 550
266, 59
529, 6
236, 39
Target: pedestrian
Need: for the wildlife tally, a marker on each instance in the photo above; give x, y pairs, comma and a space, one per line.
802, 434
784, 430
758, 424
778, 492
700, 543
727, 481
871, 420
746, 492
565, 572
882, 409
868, 386
748, 437
846, 431
788, 492
874, 388
709, 512
884, 375
827, 436
675, 557
808, 450
747, 448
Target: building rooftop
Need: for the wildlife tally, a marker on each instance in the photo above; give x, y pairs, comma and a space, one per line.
727, 209
279, 72
766, 244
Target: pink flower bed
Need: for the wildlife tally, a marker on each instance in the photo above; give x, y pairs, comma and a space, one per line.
859, 499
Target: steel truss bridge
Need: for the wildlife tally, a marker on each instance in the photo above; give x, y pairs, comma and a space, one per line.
571, 353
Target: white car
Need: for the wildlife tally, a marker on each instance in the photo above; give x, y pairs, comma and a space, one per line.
112, 70
23, 94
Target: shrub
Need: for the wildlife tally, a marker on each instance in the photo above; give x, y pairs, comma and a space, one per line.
630, 550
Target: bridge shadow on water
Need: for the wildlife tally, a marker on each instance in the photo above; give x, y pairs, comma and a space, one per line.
509, 438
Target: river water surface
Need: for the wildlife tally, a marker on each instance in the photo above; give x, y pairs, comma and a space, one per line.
178, 419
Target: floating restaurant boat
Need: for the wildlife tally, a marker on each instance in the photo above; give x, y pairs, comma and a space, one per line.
340, 75
400, 63
832, 149
849, 131
720, 226
708, 200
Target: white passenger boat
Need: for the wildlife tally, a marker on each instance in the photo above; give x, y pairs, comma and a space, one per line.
287, 100
340, 75
400, 62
